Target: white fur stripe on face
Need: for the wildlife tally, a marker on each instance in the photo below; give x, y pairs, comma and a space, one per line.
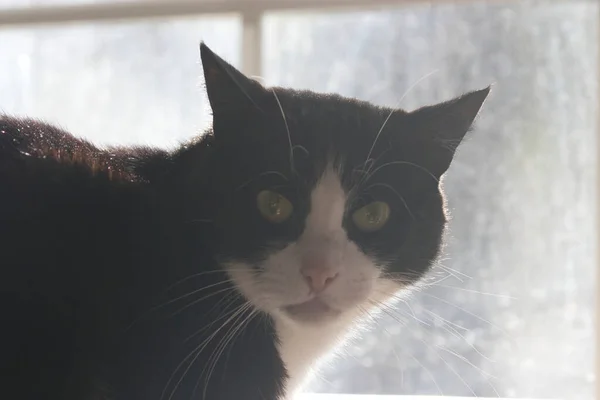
328, 202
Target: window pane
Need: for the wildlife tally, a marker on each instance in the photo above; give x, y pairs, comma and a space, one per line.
515, 315
115, 83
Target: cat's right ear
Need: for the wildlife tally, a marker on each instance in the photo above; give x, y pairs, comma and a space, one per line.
229, 91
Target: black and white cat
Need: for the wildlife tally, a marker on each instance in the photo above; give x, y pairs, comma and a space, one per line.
224, 269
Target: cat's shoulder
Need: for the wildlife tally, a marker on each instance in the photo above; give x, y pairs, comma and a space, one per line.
29, 145
29, 140
24, 136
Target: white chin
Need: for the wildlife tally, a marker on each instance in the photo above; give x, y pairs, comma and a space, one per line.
312, 311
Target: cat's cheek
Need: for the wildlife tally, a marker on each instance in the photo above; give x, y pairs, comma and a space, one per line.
243, 277
386, 291
355, 293
264, 288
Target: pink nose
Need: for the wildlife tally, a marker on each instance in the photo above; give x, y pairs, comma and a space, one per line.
318, 278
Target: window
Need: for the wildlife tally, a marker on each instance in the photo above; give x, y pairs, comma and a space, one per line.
127, 82
511, 312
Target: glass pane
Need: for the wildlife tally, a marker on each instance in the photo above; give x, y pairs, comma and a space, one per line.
514, 317
115, 83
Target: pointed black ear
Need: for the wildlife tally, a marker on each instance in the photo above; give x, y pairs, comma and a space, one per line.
443, 126
229, 91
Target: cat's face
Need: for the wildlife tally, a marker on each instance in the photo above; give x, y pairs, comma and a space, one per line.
327, 206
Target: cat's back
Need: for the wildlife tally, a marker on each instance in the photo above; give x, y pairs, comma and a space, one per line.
72, 220
60, 198
34, 153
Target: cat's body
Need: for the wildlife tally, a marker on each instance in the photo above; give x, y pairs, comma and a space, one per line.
145, 274
104, 279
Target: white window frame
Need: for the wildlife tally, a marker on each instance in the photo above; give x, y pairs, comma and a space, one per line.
251, 12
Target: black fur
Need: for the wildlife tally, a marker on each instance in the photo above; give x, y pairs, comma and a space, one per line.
101, 248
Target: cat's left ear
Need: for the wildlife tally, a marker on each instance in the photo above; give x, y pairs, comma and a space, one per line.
229, 91
443, 126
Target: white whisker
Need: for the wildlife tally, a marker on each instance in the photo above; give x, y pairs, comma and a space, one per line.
402, 163
452, 270
413, 357
237, 327
287, 128
176, 299
411, 87
397, 194
454, 332
197, 351
243, 185
229, 289
501, 296
471, 314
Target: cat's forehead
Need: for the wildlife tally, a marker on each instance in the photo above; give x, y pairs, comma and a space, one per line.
297, 135
329, 111
314, 131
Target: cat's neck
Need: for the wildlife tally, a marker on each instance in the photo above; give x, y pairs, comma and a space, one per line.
302, 346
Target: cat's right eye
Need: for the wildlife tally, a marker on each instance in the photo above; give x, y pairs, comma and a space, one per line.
371, 217
274, 207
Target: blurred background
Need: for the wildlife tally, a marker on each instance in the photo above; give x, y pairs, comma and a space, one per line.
510, 311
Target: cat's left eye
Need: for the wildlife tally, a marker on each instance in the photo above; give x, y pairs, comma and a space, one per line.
273, 206
371, 217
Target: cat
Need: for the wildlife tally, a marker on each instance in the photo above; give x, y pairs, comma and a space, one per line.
223, 269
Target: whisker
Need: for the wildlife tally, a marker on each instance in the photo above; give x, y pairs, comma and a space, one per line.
471, 314
450, 327
221, 316
193, 292
151, 310
449, 270
413, 313
414, 358
245, 323
229, 289
234, 326
195, 353
366, 312
228, 298
411, 87
237, 327
406, 273
199, 274
454, 332
450, 273
486, 375
287, 128
502, 296
265, 173
397, 194
391, 163
454, 324
366, 168
299, 146
452, 369
428, 372
432, 279
379, 133
258, 78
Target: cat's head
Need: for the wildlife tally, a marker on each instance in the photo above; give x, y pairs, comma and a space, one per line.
328, 206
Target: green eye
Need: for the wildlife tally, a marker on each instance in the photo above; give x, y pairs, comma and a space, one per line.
273, 206
371, 217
